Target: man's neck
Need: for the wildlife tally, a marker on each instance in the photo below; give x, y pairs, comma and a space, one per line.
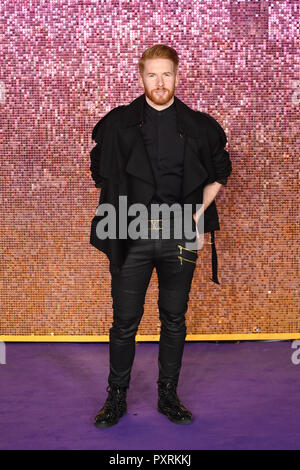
159, 107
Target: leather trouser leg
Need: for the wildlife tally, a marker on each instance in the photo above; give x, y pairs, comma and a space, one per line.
128, 290
175, 277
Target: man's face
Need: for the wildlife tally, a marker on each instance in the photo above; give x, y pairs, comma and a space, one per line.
159, 80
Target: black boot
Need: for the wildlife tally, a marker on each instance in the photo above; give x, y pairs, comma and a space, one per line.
114, 407
170, 405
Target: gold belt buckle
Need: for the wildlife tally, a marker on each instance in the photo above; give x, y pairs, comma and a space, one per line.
154, 223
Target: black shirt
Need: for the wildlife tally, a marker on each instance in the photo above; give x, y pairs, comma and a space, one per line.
165, 148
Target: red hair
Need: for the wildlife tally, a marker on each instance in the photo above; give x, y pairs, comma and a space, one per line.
159, 51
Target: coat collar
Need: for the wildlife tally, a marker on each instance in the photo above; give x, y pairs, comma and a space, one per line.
138, 163
133, 114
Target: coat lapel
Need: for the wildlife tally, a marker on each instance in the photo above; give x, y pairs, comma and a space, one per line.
194, 173
138, 163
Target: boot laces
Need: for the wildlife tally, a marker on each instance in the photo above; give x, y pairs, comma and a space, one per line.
116, 396
116, 399
169, 392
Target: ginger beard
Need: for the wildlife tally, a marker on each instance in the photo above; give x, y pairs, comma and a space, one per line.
159, 98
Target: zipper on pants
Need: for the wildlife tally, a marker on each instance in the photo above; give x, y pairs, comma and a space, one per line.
186, 259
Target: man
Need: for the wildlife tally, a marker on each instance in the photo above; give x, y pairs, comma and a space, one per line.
156, 150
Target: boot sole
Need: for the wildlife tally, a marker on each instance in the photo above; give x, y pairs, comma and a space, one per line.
109, 425
176, 421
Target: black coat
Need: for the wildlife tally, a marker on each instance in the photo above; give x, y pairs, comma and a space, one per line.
120, 166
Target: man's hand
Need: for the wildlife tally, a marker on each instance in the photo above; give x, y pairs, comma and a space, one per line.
199, 236
209, 193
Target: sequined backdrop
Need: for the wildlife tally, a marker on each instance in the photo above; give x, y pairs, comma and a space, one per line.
64, 64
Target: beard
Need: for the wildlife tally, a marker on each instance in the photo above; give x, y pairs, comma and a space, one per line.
158, 98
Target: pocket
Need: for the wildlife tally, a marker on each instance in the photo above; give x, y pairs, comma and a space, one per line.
185, 254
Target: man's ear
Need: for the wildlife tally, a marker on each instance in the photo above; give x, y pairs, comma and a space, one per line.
141, 81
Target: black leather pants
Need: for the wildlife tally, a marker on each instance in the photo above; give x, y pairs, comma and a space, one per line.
128, 290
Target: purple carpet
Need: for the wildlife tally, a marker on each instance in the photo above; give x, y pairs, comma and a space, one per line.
243, 396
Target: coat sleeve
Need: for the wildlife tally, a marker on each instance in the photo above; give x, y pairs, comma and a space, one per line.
95, 160
95, 154
220, 157
222, 181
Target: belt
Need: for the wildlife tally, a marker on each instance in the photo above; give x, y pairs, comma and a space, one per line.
214, 259
155, 224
